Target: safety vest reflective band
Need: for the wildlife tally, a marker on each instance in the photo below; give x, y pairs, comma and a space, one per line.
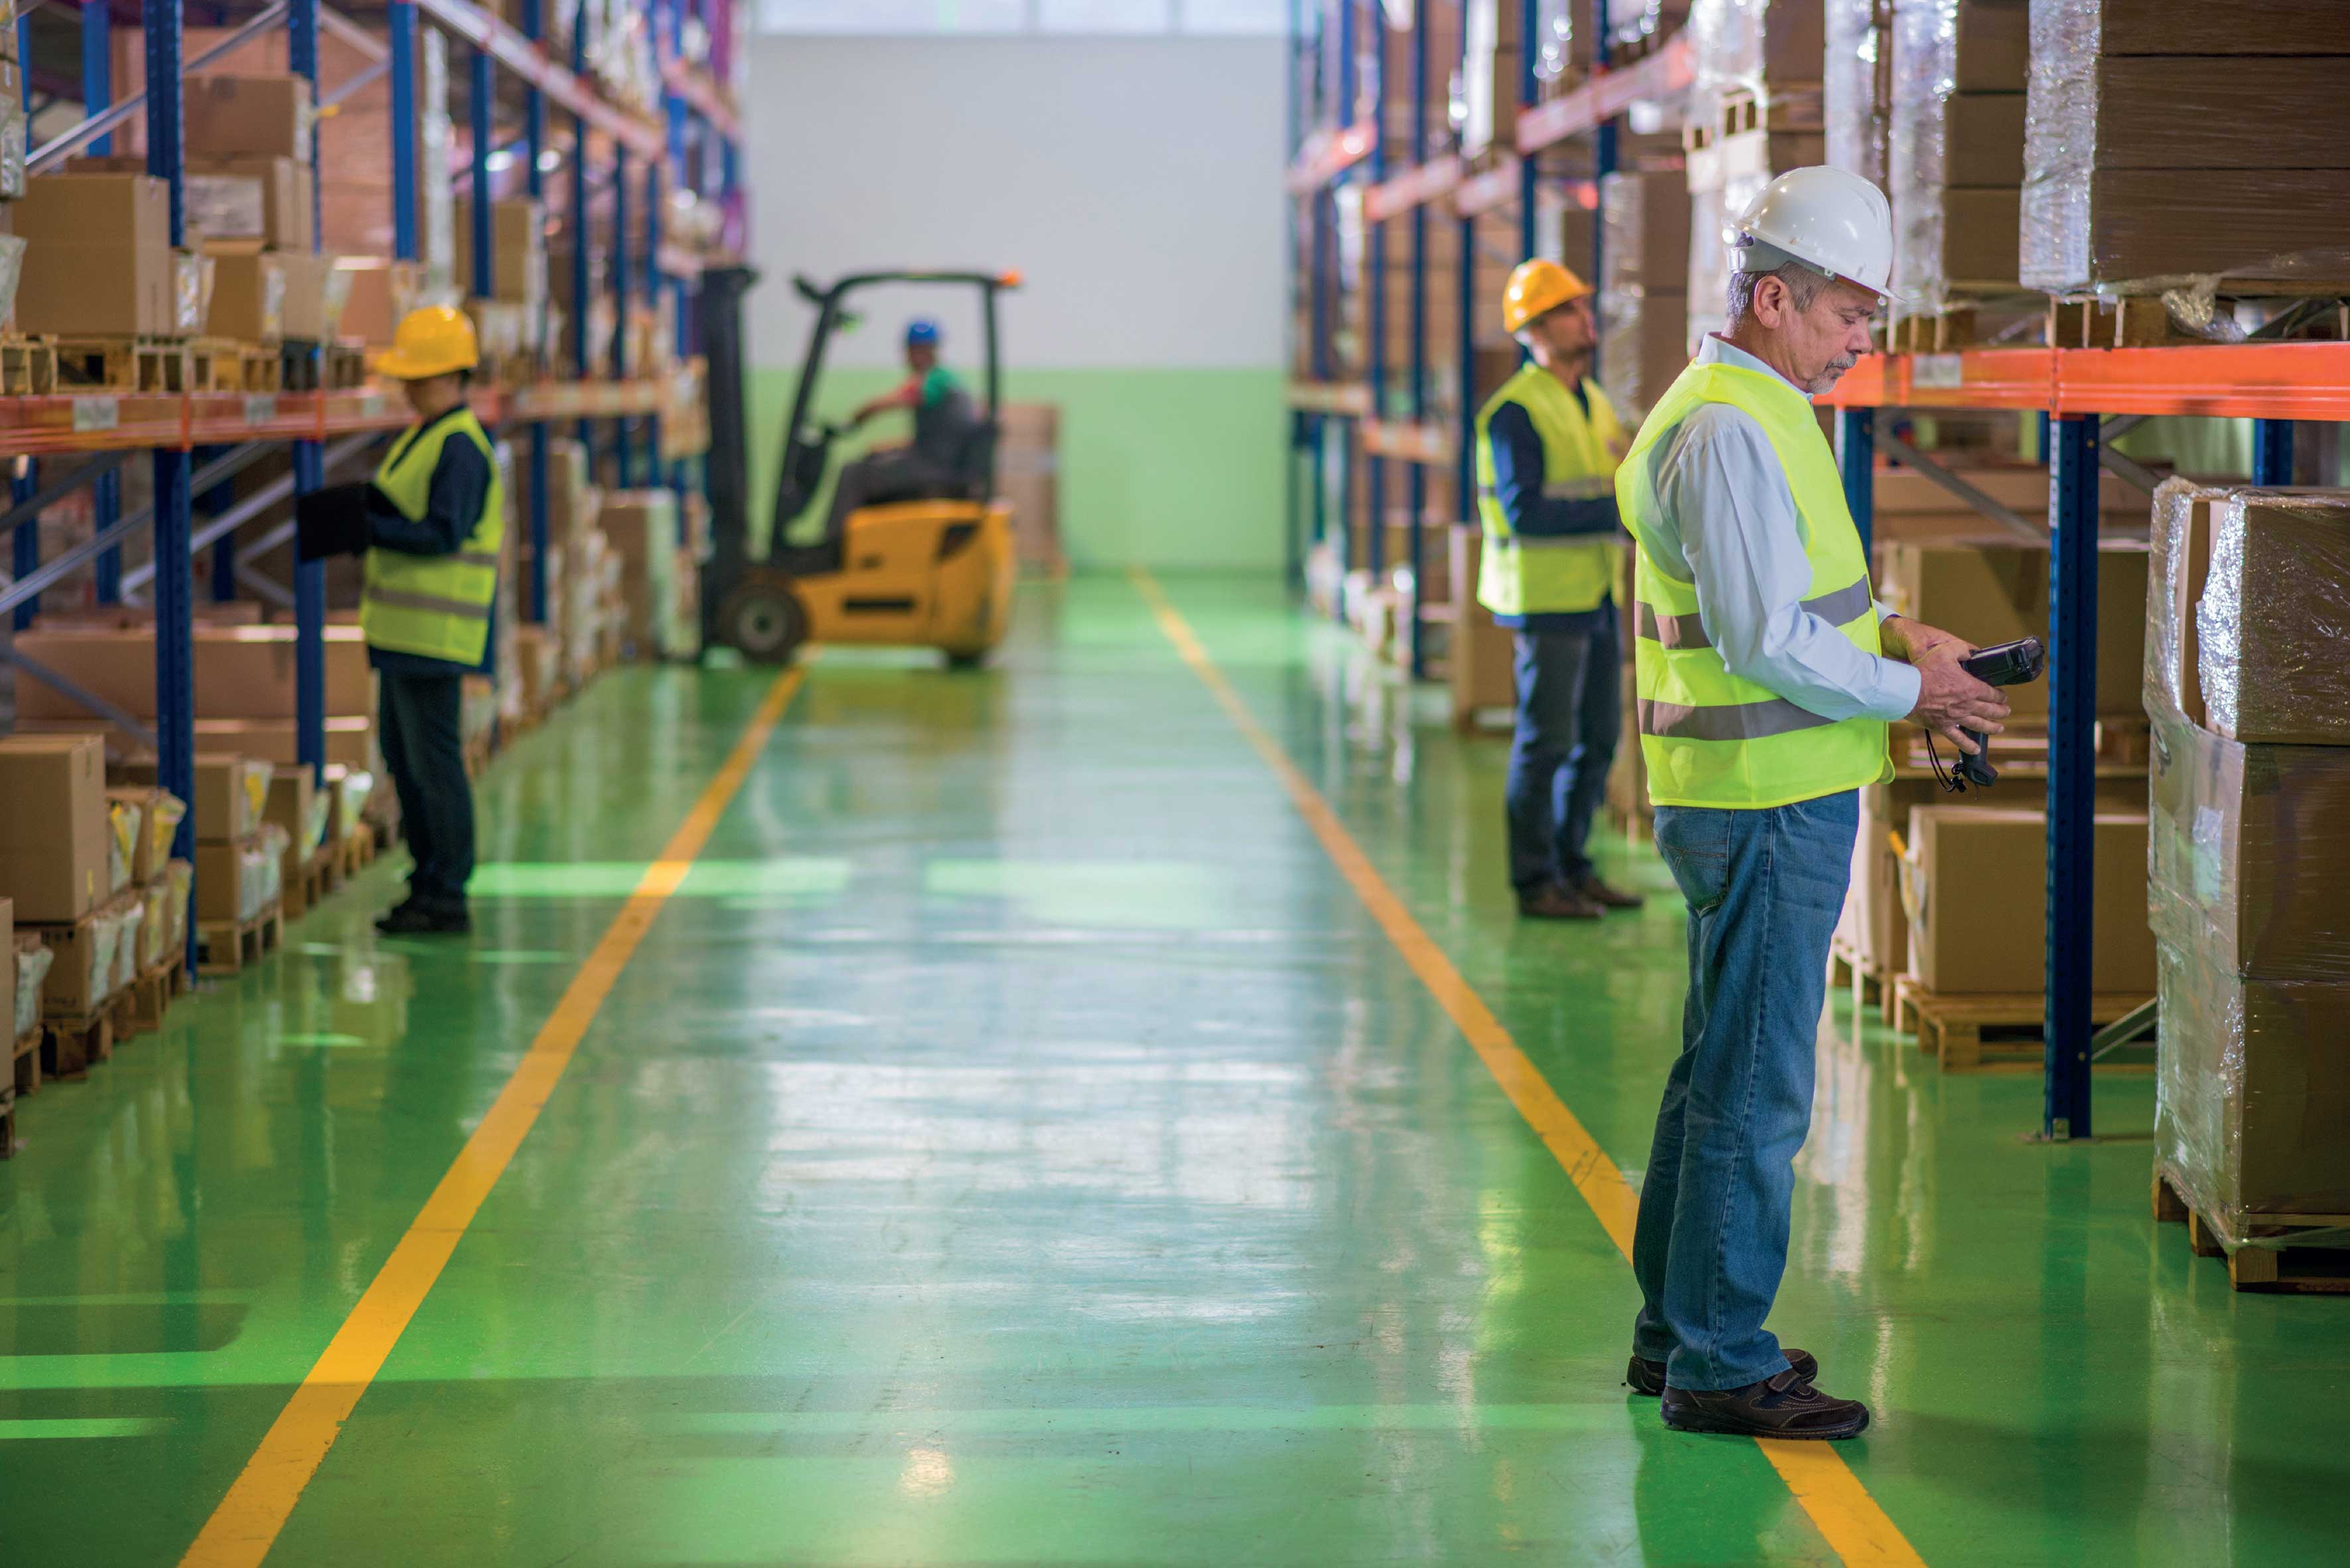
1709, 737
1531, 574
437, 606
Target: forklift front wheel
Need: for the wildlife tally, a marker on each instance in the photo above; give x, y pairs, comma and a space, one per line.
966, 661
765, 620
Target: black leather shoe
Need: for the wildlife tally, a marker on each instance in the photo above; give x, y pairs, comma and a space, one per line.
1607, 898
1553, 902
414, 919
1649, 1377
1786, 1406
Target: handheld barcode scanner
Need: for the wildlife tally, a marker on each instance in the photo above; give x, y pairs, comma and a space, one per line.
2016, 663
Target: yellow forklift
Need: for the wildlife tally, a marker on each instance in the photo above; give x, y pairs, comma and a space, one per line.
934, 572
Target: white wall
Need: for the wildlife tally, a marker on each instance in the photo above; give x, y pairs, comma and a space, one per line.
1135, 182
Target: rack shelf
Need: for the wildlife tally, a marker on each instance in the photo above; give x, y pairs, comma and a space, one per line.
1343, 400
704, 96
1328, 154
1431, 443
526, 61
2238, 381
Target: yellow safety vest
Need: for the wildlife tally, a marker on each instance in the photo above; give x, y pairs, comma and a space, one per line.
1709, 737
437, 606
1536, 576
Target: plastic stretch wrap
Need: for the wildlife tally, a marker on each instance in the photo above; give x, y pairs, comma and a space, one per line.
124, 824
11, 271
1856, 87
2249, 611
1711, 212
2148, 166
183, 890
33, 961
165, 811
1772, 49
2253, 1096
128, 920
1645, 231
155, 923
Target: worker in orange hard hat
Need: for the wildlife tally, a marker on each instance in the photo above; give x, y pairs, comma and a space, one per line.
1547, 445
435, 522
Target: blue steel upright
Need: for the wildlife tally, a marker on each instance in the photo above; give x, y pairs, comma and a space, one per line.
1375, 284
580, 238
533, 119
25, 557
1603, 164
400, 26
309, 472
652, 304
624, 468
2272, 452
2072, 770
174, 586
1417, 485
1529, 91
1857, 463
98, 96
481, 96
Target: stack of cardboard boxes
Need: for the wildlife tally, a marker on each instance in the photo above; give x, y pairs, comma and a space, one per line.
1955, 159
244, 684
97, 260
1644, 294
67, 862
1755, 112
659, 580
1028, 475
510, 319
12, 130
579, 570
2251, 798
2175, 137
240, 852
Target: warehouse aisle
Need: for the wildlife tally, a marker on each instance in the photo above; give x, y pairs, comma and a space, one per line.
1015, 1142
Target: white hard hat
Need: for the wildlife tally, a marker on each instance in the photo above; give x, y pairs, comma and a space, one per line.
1829, 218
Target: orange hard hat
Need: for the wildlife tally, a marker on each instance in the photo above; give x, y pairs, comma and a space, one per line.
1536, 288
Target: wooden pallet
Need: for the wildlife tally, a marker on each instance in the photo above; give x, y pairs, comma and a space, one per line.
28, 366
152, 993
229, 365
26, 1059
1992, 1029
2123, 742
69, 1046
1847, 970
227, 948
124, 365
1965, 324
2257, 1262
1797, 107
355, 852
320, 876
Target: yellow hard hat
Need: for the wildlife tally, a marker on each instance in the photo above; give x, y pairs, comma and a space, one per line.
431, 341
1536, 288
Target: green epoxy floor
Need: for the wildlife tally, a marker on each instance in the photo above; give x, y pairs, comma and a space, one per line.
1014, 1144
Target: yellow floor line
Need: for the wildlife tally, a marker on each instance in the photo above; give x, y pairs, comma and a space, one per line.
245, 1525
1815, 1473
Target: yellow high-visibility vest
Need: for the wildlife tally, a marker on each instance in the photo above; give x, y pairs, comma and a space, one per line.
437, 606
1709, 737
1531, 575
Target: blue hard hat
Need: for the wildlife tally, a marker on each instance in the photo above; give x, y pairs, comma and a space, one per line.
921, 331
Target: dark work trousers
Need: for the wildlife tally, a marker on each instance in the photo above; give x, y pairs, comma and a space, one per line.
423, 745
903, 474
1570, 706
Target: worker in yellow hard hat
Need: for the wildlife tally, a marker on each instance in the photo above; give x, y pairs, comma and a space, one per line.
435, 522
1547, 445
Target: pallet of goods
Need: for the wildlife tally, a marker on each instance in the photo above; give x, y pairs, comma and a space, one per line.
1755, 112
2183, 148
2250, 794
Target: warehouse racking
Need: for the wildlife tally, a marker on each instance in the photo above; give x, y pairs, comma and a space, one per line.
694, 146
2271, 383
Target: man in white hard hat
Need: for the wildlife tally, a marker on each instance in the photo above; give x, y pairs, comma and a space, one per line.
1766, 674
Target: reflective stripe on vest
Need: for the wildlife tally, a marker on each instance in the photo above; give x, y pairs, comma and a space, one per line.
1531, 574
1709, 737
437, 606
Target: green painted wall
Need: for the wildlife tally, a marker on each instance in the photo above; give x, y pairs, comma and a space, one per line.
1172, 469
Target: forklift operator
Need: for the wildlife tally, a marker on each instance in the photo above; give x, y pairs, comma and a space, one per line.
938, 461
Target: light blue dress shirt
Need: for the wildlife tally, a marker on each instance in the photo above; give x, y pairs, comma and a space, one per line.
1729, 524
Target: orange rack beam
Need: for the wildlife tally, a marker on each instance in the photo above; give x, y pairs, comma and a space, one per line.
703, 96
2233, 381
1349, 399
1408, 443
1607, 95
1327, 156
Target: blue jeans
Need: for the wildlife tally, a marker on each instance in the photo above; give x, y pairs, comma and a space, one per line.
1763, 889
1570, 706
423, 745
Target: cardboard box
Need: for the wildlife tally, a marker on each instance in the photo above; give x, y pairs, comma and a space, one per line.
8, 968
97, 256
1028, 475
55, 833
1982, 139
2251, 847
240, 671
378, 292
2259, 589
2084, 229
88, 964
1484, 673
295, 805
317, 291
282, 217
1643, 346
229, 880
264, 115
1996, 593
248, 292
1978, 916
1991, 51
2288, 27
1645, 220
517, 250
